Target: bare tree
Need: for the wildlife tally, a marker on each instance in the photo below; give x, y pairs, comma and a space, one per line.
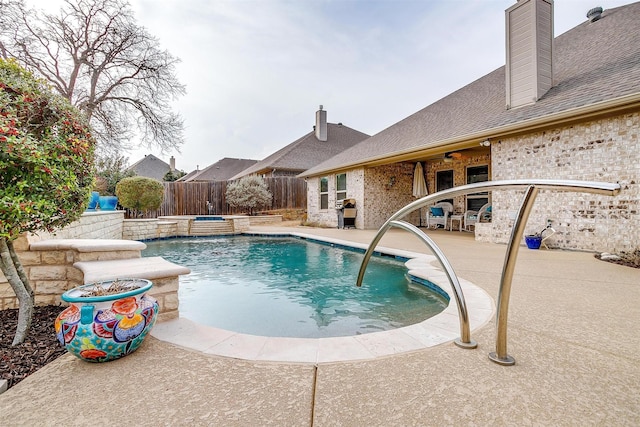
96, 55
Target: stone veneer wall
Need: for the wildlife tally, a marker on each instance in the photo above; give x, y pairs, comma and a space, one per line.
603, 150
51, 272
91, 225
180, 226
146, 229
386, 190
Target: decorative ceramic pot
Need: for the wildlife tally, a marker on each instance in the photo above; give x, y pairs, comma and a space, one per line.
108, 203
93, 202
106, 327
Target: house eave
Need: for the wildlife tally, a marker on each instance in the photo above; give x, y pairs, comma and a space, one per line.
615, 106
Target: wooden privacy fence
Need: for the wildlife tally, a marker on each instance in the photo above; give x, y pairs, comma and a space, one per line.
190, 198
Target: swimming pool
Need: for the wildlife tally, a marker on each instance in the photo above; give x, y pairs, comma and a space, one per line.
292, 287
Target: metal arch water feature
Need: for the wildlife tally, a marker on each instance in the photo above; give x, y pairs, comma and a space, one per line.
532, 186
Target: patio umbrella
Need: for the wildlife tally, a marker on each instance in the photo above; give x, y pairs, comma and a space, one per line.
419, 184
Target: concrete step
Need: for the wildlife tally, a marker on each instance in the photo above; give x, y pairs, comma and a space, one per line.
149, 268
209, 228
164, 275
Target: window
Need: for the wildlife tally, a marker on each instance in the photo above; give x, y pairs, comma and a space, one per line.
444, 181
477, 174
324, 193
341, 186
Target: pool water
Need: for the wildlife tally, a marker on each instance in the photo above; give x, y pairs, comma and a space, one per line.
291, 287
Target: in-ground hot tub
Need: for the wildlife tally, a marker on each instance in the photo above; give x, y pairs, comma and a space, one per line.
208, 218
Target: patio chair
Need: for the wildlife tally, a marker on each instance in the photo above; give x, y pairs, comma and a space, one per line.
472, 217
438, 214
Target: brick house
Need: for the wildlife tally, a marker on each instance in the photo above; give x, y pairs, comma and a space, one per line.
561, 108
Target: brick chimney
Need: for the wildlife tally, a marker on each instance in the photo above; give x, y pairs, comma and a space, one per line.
321, 124
172, 164
529, 39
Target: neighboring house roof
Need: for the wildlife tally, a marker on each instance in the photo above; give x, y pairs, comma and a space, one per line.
151, 167
221, 170
308, 151
596, 70
189, 175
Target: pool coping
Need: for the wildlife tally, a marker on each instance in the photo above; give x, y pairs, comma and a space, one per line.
440, 329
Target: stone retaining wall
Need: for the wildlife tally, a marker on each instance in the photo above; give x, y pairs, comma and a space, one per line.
180, 226
91, 225
51, 272
166, 292
146, 229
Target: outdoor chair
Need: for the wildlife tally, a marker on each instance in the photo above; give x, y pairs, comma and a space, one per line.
472, 217
438, 214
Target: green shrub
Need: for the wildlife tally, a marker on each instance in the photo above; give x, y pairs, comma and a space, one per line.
46, 156
46, 171
140, 194
250, 193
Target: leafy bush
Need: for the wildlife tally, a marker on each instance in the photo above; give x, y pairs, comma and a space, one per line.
249, 193
46, 156
46, 170
140, 194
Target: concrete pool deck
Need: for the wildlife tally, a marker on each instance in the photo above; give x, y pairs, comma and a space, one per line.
572, 330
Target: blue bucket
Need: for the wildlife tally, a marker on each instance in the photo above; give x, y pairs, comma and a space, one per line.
533, 242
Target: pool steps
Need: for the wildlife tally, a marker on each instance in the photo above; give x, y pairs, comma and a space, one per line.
209, 228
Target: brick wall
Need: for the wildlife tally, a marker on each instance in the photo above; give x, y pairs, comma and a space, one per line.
387, 189
603, 150
326, 217
459, 167
379, 193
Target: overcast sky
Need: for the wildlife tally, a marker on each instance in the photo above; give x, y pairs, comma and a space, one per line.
257, 70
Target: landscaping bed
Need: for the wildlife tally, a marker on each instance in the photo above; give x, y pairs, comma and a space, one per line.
628, 259
40, 347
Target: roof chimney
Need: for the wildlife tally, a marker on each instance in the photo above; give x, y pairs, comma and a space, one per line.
529, 37
172, 164
321, 124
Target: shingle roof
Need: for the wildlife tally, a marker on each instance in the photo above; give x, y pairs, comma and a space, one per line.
151, 167
594, 62
189, 175
308, 151
221, 170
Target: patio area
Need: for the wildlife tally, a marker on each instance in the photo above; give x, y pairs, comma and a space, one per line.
572, 330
